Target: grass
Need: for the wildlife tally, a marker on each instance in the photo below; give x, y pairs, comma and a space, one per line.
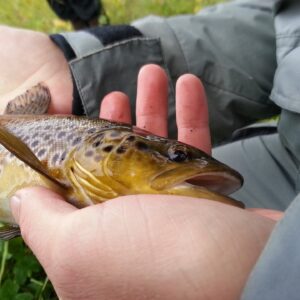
36, 14
21, 276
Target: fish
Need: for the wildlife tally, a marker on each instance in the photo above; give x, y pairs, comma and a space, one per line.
90, 160
35, 100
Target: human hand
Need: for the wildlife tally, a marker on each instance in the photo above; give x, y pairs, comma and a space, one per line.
151, 107
142, 246
151, 103
27, 58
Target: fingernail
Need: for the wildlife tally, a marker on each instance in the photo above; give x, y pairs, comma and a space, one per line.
15, 203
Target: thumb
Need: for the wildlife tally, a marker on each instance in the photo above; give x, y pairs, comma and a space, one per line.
272, 214
40, 213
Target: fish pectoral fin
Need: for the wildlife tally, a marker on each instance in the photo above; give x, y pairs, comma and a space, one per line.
34, 101
8, 232
17, 147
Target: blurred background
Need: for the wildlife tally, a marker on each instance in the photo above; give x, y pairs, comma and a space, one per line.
37, 14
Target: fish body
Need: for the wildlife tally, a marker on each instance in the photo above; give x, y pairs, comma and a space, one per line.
89, 161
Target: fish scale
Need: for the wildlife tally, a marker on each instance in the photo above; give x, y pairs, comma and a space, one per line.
46, 134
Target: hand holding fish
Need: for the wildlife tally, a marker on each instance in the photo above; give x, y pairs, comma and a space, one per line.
151, 107
34, 58
143, 246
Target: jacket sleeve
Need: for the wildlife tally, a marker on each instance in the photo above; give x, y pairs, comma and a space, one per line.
231, 47
106, 59
276, 274
286, 89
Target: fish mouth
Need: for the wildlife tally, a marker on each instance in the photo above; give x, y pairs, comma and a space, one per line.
223, 180
213, 185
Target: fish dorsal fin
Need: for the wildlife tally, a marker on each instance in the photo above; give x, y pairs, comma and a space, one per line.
8, 232
17, 147
34, 101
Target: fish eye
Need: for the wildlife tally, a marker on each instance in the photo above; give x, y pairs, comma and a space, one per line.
177, 155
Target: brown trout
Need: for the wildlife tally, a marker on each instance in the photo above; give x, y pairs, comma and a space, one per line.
89, 161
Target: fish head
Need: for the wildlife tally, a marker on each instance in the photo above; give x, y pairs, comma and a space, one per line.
120, 161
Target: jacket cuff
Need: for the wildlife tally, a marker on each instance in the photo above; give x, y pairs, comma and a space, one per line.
77, 46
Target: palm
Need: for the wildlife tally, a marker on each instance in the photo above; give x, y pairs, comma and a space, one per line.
28, 58
171, 247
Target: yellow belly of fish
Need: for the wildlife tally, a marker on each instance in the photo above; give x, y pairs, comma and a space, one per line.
15, 176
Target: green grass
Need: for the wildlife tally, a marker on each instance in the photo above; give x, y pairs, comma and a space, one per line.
21, 276
36, 14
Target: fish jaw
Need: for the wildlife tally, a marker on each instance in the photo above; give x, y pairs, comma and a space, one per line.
222, 182
176, 182
186, 189
213, 176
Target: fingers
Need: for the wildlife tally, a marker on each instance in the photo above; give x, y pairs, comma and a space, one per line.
116, 107
192, 113
40, 214
152, 97
272, 214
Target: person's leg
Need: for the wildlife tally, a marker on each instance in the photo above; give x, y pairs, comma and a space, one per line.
270, 174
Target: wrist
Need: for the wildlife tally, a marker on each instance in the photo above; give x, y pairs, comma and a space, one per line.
60, 84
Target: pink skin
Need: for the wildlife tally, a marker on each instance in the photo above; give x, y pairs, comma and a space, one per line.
140, 246
192, 113
116, 106
27, 58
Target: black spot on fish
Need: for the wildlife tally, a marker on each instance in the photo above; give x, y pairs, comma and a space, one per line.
55, 158
99, 136
107, 148
34, 143
63, 156
89, 153
131, 138
91, 130
77, 140
61, 134
122, 149
70, 137
141, 146
35, 135
48, 127
47, 137
96, 144
41, 152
